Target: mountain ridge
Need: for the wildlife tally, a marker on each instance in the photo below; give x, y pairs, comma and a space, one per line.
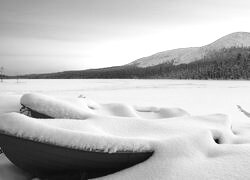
191, 54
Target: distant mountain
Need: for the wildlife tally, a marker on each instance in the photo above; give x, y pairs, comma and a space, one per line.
187, 55
227, 63
226, 58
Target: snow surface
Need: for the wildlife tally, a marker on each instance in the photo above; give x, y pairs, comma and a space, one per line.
140, 115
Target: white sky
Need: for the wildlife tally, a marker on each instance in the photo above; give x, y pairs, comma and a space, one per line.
54, 35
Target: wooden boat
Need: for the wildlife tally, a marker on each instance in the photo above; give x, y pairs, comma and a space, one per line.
46, 160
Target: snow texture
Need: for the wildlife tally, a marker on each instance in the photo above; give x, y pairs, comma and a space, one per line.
185, 145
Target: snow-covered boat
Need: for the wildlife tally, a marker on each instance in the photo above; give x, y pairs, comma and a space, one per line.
44, 159
47, 147
42, 106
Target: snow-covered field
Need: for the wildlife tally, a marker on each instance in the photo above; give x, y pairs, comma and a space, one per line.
184, 146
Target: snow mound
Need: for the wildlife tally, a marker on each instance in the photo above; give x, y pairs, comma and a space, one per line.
83, 108
111, 134
76, 134
55, 107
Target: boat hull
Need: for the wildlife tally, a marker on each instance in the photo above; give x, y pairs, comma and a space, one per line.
43, 159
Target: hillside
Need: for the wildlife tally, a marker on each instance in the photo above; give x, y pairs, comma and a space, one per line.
227, 63
187, 55
225, 58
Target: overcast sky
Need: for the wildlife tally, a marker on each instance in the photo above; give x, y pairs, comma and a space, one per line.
54, 35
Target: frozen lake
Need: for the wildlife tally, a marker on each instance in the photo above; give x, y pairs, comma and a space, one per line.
197, 97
